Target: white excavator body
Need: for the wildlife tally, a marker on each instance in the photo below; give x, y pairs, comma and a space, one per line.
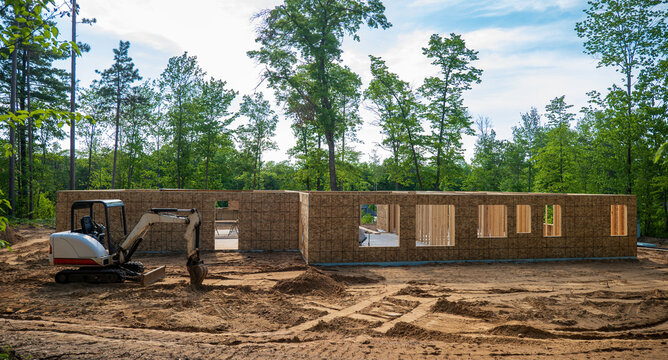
72, 248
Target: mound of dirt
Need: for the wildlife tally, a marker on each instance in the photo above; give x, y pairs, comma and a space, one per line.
357, 279
10, 236
346, 326
463, 308
406, 330
413, 290
312, 282
520, 330
506, 291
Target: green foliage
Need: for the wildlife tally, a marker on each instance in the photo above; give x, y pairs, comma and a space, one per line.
445, 111
31, 27
300, 46
397, 108
45, 208
556, 161
255, 135
367, 218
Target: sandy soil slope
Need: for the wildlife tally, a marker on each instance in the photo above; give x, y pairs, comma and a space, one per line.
270, 305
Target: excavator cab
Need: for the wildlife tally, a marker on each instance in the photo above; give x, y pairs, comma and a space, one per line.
105, 209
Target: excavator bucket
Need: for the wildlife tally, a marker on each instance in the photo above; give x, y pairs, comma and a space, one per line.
197, 274
152, 276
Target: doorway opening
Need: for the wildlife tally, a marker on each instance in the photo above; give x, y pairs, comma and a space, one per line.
227, 225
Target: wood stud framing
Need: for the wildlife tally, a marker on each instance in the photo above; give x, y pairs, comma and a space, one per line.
618, 223
523, 219
435, 225
492, 221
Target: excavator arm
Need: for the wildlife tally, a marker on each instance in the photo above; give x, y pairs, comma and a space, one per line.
196, 267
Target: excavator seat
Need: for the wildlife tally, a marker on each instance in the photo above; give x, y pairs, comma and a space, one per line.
87, 226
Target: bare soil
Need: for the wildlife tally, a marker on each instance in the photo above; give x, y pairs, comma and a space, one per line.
271, 305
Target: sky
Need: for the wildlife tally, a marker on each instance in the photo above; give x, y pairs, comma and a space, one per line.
528, 51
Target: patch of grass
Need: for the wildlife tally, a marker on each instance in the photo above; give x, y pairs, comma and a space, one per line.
6, 353
33, 222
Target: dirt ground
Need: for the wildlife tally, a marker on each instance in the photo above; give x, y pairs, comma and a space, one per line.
270, 305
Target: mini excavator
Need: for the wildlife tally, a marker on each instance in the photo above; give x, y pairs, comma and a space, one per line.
102, 259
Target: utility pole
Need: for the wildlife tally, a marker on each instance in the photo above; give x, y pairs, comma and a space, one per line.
73, 93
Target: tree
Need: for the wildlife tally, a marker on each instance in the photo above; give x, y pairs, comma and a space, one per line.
308, 34
445, 111
555, 162
212, 105
530, 138
93, 104
627, 35
28, 24
180, 84
255, 135
399, 109
487, 163
138, 119
116, 83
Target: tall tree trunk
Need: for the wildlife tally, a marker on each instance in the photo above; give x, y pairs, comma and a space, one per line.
12, 135
178, 150
90, 154
206, 171
73, 95
118, 111
305, 138
30, 141
439, 151
22, 134
628, 146
318, 185
329, 136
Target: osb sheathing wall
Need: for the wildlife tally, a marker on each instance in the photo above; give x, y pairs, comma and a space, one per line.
333, 221
268, 220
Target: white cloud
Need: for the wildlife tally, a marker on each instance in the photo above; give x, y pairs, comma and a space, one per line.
499, 7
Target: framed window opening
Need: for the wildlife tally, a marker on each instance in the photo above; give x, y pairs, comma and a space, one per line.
492, 221
552, 221
523, 216
434, 225
379, 225
618, 220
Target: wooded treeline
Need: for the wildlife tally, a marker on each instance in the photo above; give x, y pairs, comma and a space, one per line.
188, 130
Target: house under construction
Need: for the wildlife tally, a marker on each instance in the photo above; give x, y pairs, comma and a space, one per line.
388, 227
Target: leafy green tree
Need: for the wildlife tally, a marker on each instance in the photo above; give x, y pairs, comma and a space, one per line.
487, 163
92, 103
556, 161
529, 137
115, 85
255, 135
26, 24
180, 84
212, 105
309, 34
626, 35
399, 109
138, 119
445, 111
